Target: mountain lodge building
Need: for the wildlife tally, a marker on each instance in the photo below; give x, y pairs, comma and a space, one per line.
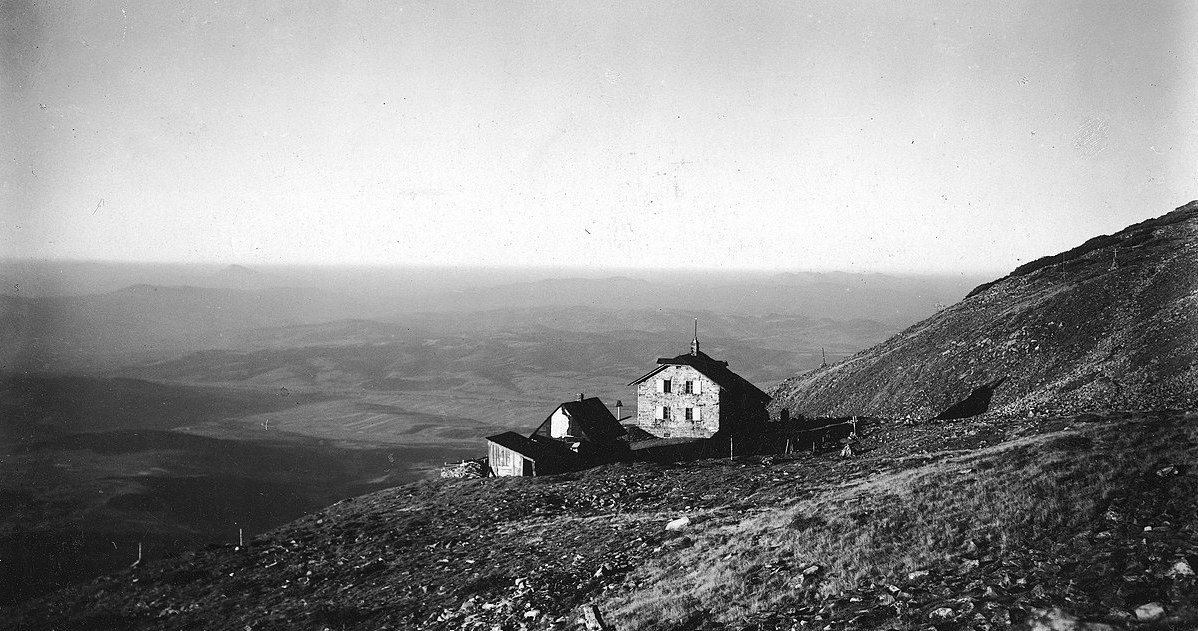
686, 407
696, 396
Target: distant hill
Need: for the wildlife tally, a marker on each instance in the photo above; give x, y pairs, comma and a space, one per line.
896, 300
1110, 324
147, 322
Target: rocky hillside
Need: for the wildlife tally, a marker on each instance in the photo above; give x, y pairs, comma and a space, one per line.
1111, 324
967, 524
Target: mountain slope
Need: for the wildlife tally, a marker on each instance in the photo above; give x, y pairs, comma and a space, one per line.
966, 524
1111, 324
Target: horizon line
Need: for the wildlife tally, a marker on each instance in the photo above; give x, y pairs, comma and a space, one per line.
980, 272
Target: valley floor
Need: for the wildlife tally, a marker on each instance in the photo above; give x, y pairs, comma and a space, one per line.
978, 523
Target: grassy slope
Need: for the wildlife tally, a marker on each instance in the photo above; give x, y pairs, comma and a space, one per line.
1111, 325
1000, 515
92, 468
1006, 498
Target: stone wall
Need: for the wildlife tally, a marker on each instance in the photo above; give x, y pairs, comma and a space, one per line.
476, 468
707, 402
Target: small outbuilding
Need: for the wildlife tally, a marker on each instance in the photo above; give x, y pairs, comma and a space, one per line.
588, 428
576, 435
510, 454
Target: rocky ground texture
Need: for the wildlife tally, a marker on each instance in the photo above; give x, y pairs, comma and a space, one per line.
526, 553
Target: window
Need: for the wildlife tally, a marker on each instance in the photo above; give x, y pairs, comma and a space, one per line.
690, 412
688, 387
666, 386
665, 412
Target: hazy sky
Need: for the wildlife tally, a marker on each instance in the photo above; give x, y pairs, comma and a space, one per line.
800, 135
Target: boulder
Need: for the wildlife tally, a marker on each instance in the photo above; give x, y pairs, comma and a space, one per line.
678, 524
1149, 612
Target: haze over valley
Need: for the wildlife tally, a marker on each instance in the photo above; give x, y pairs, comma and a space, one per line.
195, 402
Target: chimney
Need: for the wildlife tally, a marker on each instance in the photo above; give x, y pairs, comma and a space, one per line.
619, 404
581, 396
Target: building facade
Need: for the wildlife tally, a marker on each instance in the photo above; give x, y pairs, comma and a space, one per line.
696, 396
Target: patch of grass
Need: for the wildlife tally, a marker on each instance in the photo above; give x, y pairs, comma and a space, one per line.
1038, 488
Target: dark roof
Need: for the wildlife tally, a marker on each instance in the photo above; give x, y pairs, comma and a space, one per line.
595, 420
637, 434
534, 450
713, 369
658, 443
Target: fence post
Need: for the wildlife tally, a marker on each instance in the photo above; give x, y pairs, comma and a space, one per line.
592, 619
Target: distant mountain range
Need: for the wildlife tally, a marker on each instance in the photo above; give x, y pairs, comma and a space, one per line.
147, 322
1110, 324
150, 322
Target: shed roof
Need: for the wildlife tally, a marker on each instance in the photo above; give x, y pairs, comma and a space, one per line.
713, 369
595, 420
534, 450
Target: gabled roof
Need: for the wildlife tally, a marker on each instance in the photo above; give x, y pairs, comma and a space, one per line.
592, 417
713, 369
535, 450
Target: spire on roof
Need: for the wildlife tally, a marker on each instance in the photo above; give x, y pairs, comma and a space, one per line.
695, 342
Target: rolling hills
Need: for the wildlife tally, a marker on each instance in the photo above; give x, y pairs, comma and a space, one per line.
95, 472
174, 416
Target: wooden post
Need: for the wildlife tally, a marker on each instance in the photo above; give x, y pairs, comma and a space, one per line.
592, 619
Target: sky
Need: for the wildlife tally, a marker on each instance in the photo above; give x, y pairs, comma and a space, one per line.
862, 136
